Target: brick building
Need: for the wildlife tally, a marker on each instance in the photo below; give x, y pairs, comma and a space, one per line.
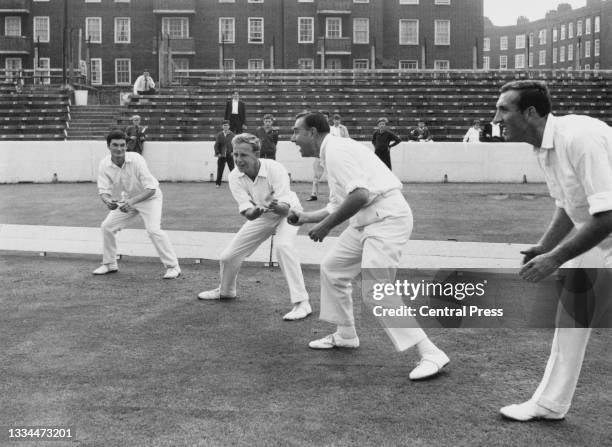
570, 39
116, 39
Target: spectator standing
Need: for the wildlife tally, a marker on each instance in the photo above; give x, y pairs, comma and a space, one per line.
136, 135
338, 129
268, 136
473, 133
317, 169
224, 151
235, 113
421, 133
383, 140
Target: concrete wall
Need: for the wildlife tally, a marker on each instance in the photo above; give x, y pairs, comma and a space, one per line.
34, 161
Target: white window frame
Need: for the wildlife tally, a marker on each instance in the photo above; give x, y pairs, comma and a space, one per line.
587, 48
46, 34
92, 20
415, 40
570, 30
579, 28
357, 32
562, 32
13, 66
503, 43
306, 63
503, 62
43, 71
16, 23
442, 39
570, 52
555, 52
306, 24
562, 53
587, 26
129, 71
439, 62
596, 47
542, 57
486, 62
597, 25
230, 21
170, 26
328, 27
128, 31
407, 64
555, 34
519, 41
442, 2
95, 67
486, 44
519, 61
542, 37
229, 64
256, 64
365, 62
408, 2
252, 33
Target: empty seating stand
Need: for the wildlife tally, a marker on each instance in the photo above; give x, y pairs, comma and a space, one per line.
448, 102
35, 113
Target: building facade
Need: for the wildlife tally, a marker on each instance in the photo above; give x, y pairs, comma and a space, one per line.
113, 41
568, 39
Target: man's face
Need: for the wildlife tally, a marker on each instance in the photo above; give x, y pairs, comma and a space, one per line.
136, 121
146, 74
336, 122
382, 126
225, 127
117, 149
515, 122
304, 138
421, 125
235, 96
245, 159
267, 122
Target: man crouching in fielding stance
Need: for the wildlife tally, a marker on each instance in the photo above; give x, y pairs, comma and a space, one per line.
363, 189
261, 188
575, 153
140, 195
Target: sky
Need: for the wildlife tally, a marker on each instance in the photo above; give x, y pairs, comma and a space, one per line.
505, 12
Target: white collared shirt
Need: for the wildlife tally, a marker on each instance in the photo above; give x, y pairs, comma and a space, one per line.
132, 178
472, 136
576, 156
235, 107
351, 165
272, 182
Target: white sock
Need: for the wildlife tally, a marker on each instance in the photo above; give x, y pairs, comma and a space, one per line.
427, 347
346, 332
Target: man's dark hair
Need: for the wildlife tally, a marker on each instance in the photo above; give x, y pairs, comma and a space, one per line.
324, 112
316, 120
531, 94
116, 134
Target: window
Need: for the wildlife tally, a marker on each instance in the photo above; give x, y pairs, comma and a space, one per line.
596, 66
361, 1
597, 25
227, 1
442, 2
530, 61
531, 40
562, 37
408, 32
503, 62
13, 67
175, 27
96, 71
305, 30
42, 73
441, 65
305, 1
122, 30
579, 28
519, 61
226, 30
555, 34
555, 52
408, 2
503, 43
486, 46
256, 28
333, 63
520, 41
179, 66
256, 1
442, 30
93, 1
12, 26
93, 29
306, 64
123, 71
587, 66
587, 26
486, 63
361, 30
408, 65
229, 64
256, 64
562, 54
361, 64
570, 52
542, 36
542, 57
587, 48
333, 28
41, 29
596, 47
570, 30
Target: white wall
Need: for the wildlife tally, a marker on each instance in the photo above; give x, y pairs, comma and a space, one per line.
37, 161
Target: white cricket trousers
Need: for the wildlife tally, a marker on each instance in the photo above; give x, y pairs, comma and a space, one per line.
150, 211
377, 247
252, 234
558, 384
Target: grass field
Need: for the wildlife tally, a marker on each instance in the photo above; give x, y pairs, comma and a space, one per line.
131, 360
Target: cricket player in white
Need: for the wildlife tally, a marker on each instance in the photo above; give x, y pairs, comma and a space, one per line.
261, 188
575, 153
365, 191
141, 196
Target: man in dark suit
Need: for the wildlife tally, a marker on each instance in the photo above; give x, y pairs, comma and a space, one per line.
235, 113
224, 151
136, 135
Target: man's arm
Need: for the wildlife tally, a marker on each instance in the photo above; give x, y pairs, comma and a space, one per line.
595, 230
129, 204
395, 140
349, 207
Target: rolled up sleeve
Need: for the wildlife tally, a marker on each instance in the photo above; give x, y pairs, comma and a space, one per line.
592, 164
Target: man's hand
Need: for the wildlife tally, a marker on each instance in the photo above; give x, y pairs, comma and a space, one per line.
319, 231
111, 204
293, 218
126, 207
540, 267
254, 213
532, 252
280, 208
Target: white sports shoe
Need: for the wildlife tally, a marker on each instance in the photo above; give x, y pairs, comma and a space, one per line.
300, 311
334, 341
214, 294
528, 411
173, 273
429, 366
105, 269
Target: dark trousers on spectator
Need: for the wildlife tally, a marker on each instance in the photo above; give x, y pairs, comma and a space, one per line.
385, 157
221, 167
235, 124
